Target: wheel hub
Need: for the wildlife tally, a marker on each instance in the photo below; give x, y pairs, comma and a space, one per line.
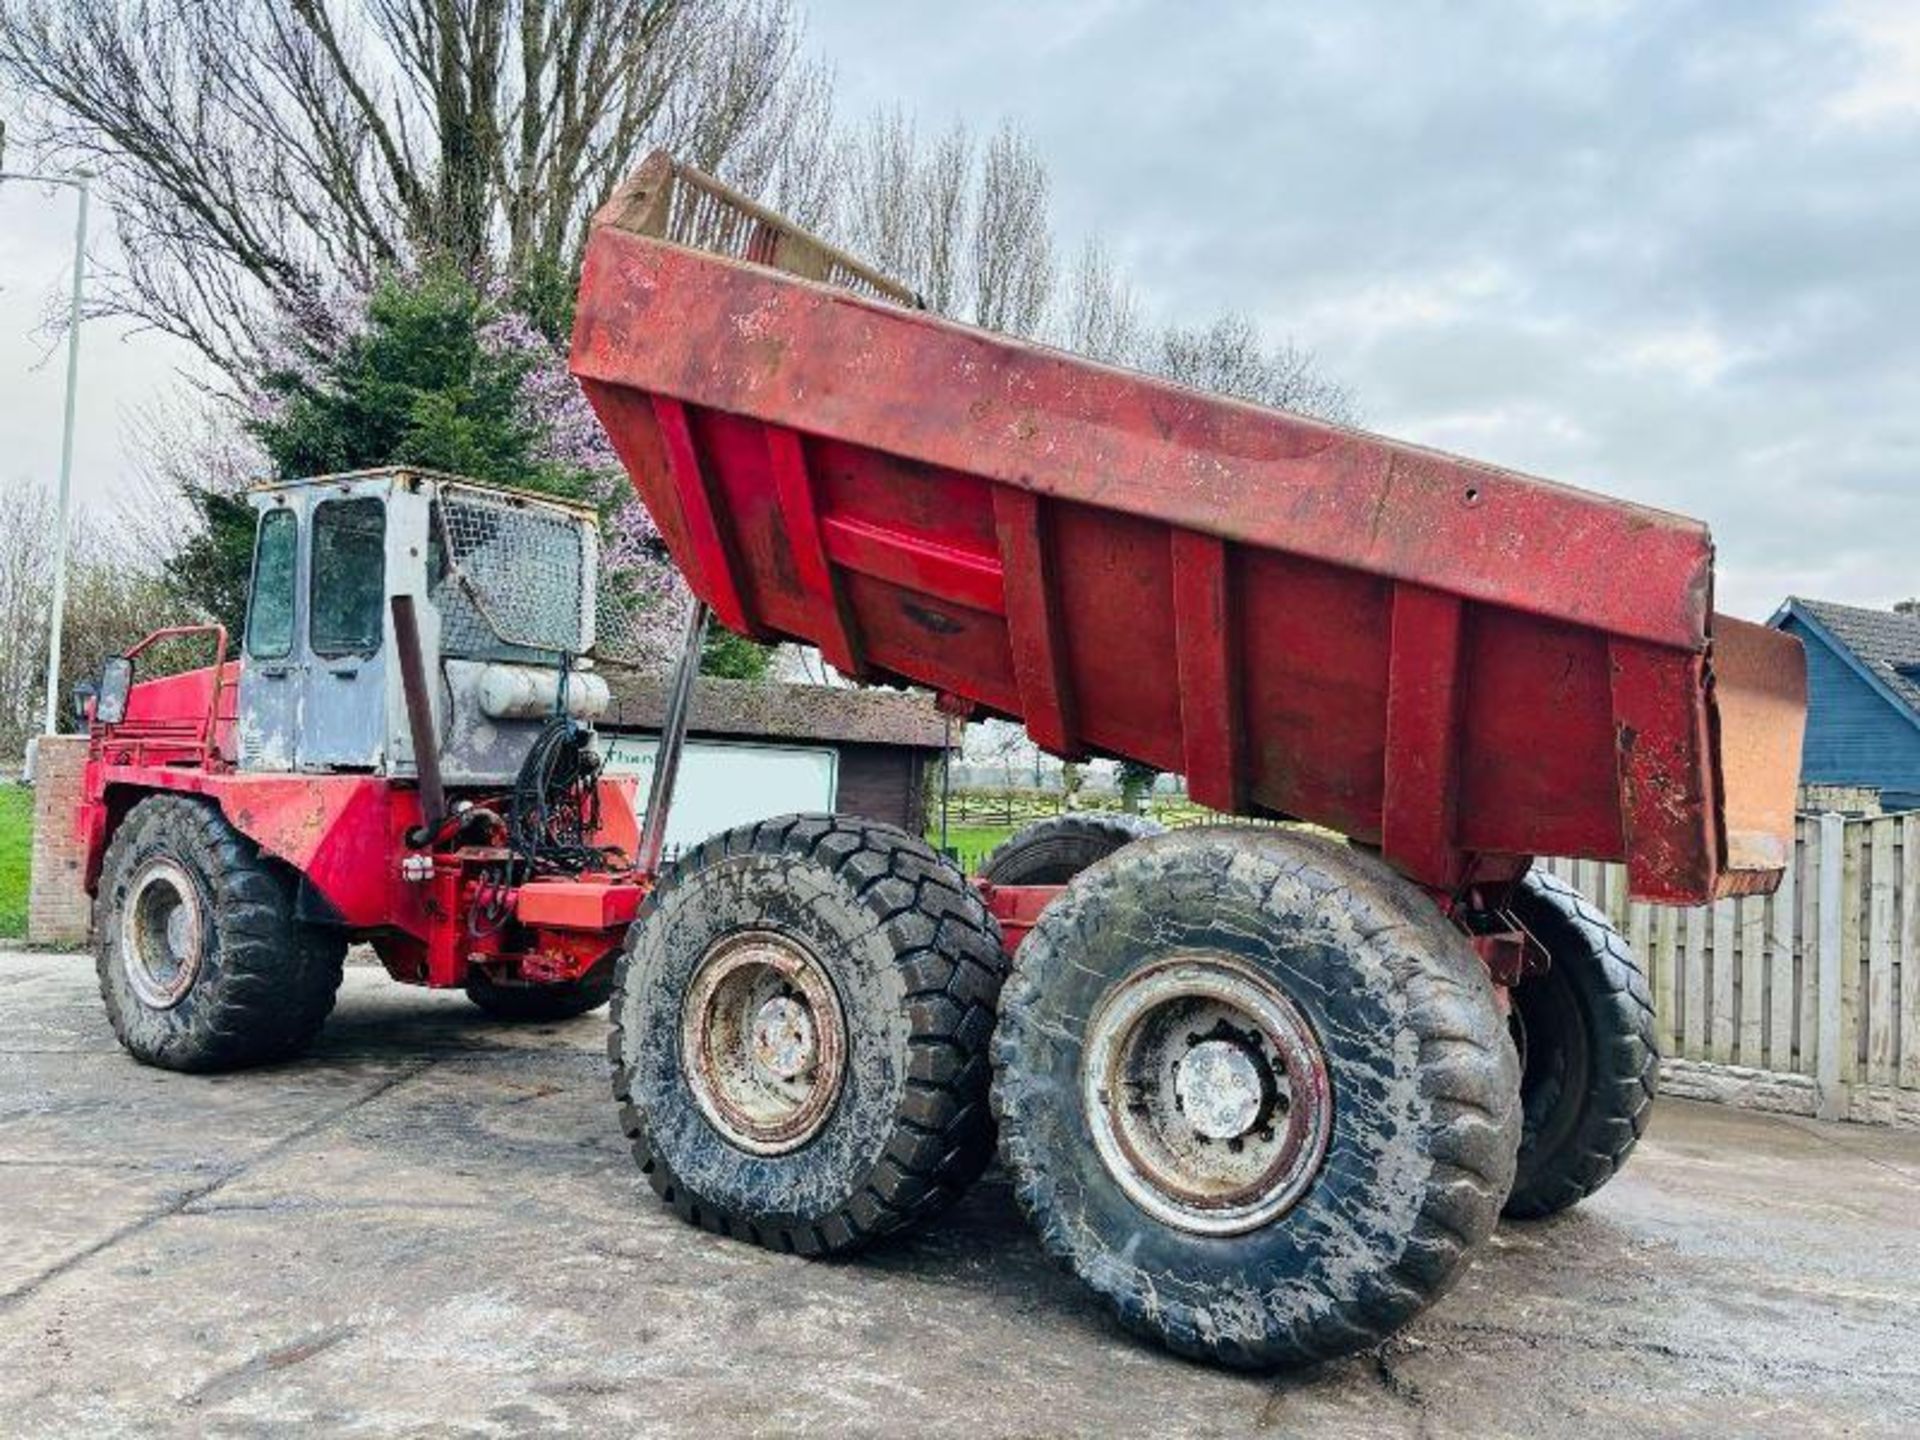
763, 1042
1207, 1093
783, 1040
1220, 1087
162, 934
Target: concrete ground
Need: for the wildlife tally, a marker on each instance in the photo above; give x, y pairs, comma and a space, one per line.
431, 1226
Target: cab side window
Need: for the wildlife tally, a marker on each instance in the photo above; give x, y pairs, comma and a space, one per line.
349, 577
270, 611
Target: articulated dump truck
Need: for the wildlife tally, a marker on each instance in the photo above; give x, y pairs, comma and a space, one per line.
1263, 1085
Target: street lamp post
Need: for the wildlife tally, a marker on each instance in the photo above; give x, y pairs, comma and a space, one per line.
80, 180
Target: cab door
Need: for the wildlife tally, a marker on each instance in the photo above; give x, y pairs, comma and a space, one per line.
343, 720
271, 664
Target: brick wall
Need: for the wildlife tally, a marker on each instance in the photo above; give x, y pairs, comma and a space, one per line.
57, 906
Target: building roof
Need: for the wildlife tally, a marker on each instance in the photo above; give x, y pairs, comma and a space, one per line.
835, 714
1884, 644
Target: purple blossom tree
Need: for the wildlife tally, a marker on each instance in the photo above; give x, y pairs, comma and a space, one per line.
348, 374
643, 598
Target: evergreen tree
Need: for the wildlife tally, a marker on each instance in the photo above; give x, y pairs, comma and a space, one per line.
429, 370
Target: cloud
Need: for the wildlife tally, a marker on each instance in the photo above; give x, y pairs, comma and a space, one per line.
1886, 85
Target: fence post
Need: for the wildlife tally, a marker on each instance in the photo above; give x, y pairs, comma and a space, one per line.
1833, 1100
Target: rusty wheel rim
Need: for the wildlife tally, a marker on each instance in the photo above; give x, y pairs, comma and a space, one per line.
1208, 1095
763, 1042
162, 934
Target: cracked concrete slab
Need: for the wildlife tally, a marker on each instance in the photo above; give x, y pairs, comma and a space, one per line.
431, 1226
94, 1203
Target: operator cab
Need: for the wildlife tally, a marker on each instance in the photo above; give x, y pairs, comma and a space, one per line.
503, 587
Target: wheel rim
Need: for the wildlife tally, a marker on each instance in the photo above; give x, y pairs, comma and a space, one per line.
1208, 1095
162, 934
763, 1042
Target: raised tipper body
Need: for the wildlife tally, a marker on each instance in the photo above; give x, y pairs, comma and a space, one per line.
1460, 664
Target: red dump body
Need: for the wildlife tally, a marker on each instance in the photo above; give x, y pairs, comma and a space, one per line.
1460, 664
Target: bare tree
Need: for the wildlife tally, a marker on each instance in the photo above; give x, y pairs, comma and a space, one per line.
905, 206
786, 155
878, 213
111, 602
26, 585
1099, 316
968, 226
945, 183
259, 152
1012, 240
176, 445
999, 744
1230, 358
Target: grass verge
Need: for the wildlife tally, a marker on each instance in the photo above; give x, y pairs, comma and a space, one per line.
16, 842
970, 844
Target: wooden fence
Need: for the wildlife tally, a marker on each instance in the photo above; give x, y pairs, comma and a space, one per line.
1805, 1000
1004, 808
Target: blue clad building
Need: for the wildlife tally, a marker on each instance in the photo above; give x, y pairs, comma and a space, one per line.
1863, 697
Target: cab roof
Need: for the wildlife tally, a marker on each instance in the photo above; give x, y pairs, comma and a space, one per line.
415, 473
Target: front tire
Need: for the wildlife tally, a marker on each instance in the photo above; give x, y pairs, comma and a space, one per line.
800, 1033
202, 964
1255, 1093
1591, 1046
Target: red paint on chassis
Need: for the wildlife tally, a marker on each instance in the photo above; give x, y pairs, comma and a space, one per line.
345, 837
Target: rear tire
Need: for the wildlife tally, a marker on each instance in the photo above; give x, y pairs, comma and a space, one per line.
1344, 1094
505, 1000
201, 962
1054, 850
1591, 1046
800, 1029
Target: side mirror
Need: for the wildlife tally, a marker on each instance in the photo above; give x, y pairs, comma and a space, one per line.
83, 693
110, 700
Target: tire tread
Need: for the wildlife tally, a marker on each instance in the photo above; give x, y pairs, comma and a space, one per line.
1472, 1159
1619, 1101
943, 1135
1073, 840
276, 979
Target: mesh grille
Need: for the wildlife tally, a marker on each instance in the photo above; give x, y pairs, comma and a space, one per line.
617, 634
510, 583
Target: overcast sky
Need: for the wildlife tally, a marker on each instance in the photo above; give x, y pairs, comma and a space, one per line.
1669, 251
122, 373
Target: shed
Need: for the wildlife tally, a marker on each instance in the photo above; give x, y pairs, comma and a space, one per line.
749, 743
1863, 698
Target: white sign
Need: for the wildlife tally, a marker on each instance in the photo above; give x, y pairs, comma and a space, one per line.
723, 783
